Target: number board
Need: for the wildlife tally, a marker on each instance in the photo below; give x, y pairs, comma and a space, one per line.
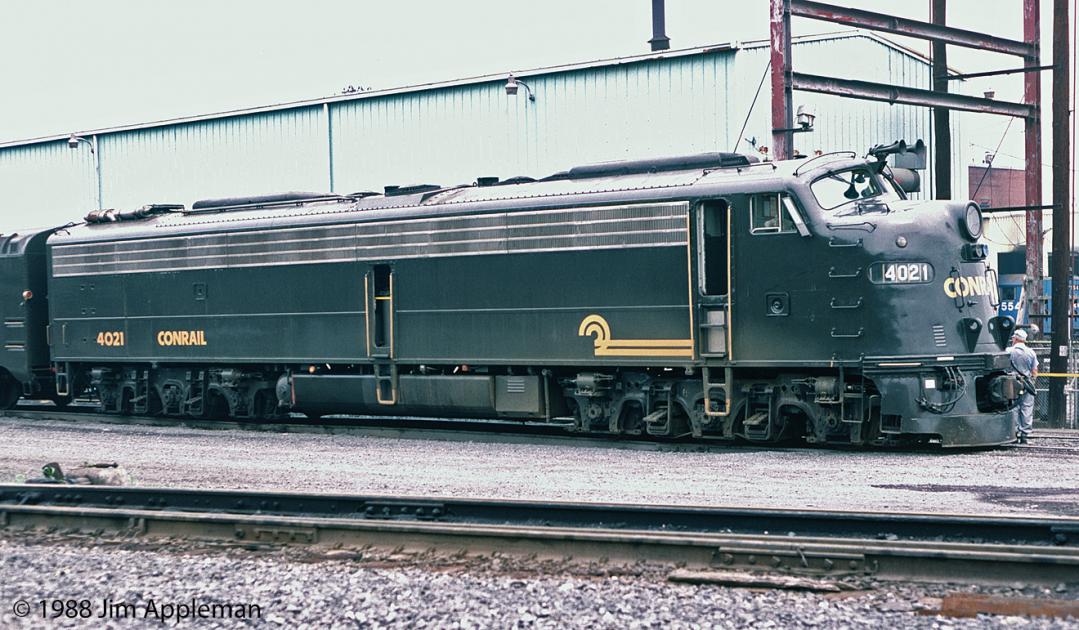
901, 273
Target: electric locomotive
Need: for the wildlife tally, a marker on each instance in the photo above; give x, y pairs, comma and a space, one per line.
712, 296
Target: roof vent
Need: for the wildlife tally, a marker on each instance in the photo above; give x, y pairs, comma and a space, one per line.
260, 200
145, 212
393, 191
519, 179
656, 165
486, 181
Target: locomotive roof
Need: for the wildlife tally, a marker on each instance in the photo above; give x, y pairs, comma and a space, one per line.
561, 190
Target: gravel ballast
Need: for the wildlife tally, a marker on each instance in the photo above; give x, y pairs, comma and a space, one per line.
1005, 480
293, 592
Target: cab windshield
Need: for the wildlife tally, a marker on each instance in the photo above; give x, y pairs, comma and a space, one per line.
835, 189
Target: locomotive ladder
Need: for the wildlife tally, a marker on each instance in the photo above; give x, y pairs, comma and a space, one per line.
710, 387
386, 383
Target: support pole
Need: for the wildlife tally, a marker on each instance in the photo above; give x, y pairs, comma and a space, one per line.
1062, 256
1032, 95
942, 120
782, 97
95, 150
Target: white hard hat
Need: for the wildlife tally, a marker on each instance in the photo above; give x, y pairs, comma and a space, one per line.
1020, 334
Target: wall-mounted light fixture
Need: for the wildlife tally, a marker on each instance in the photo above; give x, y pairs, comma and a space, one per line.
804, 119
73, 143
511, 88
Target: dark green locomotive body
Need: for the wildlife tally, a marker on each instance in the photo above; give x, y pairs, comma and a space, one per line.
721, 300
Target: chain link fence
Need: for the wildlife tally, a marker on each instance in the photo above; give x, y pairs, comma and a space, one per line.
1071, 385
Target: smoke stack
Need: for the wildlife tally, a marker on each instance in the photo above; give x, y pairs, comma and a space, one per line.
659, 40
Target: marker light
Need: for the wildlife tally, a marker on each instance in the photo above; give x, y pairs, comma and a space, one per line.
27, 294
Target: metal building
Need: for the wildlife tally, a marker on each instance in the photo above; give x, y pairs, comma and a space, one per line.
674, 102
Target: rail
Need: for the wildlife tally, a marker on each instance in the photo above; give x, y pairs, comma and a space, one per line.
949, 547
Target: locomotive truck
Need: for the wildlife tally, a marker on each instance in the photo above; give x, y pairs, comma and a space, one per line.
713, 296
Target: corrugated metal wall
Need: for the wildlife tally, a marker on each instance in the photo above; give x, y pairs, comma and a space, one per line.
273, 151
451, 135
454, 135
45, 184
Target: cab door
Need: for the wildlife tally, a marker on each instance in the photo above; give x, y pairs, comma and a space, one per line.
378, 291
775, 306
713, 275
379, 321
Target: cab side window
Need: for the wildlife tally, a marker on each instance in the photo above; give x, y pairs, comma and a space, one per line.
768, 216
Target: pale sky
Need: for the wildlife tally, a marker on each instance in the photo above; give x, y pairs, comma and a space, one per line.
71, 66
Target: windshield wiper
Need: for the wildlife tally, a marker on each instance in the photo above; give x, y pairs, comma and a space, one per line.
866, 206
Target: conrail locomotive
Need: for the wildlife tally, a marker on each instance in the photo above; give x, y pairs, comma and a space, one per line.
713, 296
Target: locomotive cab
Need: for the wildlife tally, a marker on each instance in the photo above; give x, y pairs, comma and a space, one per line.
854, 313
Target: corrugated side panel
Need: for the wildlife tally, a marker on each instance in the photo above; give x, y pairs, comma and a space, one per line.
261, 153
453, 136
45, 184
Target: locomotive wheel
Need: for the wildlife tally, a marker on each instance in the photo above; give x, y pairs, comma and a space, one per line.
153, 404
265, 407
127, 405
61, 401
217, 407
10, 391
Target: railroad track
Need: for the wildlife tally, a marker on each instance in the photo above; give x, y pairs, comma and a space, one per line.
414, 428
1056, 434
1048, 449
397, 427
903, 546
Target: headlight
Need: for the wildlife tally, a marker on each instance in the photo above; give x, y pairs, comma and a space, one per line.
972, 222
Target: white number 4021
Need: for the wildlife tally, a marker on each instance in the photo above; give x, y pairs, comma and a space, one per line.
906, 272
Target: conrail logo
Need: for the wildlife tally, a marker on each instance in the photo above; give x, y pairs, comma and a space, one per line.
963, 286
181, 338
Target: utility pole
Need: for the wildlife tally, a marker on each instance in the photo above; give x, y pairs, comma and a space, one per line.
1032, 95
1062, 255
942, 118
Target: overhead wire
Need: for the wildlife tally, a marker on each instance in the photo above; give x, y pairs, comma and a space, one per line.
990, 166
1012, 155
738, 138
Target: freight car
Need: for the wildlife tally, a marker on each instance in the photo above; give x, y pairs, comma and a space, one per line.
712, 296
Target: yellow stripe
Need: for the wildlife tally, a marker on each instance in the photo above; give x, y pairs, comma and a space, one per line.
689, 274
390, 315
730, 286
647, 343
1058, 375
366, 314
660, 352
